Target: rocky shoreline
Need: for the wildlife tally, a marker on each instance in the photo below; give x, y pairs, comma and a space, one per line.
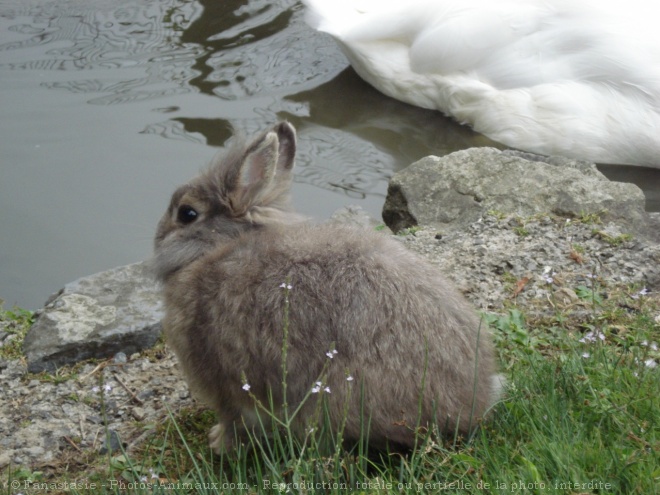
496, 258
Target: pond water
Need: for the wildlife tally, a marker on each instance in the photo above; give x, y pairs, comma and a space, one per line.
107, 105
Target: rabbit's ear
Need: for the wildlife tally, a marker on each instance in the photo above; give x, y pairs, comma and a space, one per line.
286, 136
264, 173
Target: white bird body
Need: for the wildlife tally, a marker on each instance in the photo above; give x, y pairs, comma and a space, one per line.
579, 78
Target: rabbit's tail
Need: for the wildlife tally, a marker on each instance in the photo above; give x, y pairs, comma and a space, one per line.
498, 383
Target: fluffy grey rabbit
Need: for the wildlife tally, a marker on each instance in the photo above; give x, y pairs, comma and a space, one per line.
384, 334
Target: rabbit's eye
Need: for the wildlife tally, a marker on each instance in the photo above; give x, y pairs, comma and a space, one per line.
186, 214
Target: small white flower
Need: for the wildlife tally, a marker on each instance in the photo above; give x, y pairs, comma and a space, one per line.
331, 353
349, 378
654, 346
246, 387
143, 479
650, 363
586, 355
107, 387
286, 286
592, 337
548, 274
318, 387
154, 476
643, 292
96, 389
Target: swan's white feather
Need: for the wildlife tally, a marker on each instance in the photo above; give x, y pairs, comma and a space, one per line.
579, 78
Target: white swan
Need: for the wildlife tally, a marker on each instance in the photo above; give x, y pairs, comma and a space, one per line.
579, 78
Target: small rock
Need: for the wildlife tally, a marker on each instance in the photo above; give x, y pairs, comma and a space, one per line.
95, 419
34, 451
566, 296
120, 358
111, 443
146, 394
96, 317
138, 413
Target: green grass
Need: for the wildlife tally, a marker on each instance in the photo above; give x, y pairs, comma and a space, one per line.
15, 322
569, 424
581, 415
612, 240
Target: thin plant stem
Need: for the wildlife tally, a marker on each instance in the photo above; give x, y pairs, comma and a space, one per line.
476, 375
285, 348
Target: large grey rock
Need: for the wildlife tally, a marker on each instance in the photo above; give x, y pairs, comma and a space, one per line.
455, 190
96, 317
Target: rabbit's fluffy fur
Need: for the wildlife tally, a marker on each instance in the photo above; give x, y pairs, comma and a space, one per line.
418, 353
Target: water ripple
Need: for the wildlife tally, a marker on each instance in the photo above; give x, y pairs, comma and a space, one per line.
260, 47
77, 36
364, 167
171, 129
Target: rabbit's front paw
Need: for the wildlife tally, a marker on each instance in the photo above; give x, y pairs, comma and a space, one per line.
218, 439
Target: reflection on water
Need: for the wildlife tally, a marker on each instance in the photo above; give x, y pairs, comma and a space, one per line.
648, 179
214, 132
108, 35
106, 105
256, 48
351, 124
